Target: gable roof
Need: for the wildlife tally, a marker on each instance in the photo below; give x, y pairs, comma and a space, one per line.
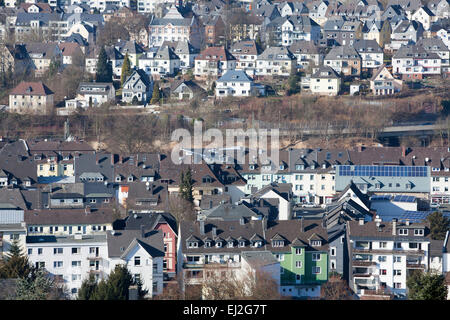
31, 89
120, 242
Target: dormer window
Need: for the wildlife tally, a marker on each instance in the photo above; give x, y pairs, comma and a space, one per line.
282, 167
241, 243
277, 243
316, 243
66, 157
219, 244
37, 157
208, 244
192, 244
251, 167
118, 178
299, 167
257, 244
230, 244
403, 232
418, 232
130, 178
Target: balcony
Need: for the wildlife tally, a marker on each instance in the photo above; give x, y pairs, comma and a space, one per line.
363, 263
392, 251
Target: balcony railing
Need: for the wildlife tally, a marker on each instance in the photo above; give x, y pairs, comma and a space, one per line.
363, 263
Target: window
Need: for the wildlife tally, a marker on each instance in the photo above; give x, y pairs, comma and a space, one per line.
75, 250
383, 272
316, 257
298, 264
403, 232
76, 264
397, 285
280, 257
57, 264
397, 259
39, 250
137, 261
418, 232
333, 251
382, 258
397, 272
76, 277
315, 270
413, 245
57, 250
383, 244
397, 245
30, 251
14, 236
192, 245
298, 251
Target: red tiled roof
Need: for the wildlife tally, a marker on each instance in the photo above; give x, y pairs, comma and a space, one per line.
215, 54
31, 88
68, 48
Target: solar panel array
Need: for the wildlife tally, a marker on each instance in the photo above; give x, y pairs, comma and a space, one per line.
403, 198
383, 171
384, 197
417, 216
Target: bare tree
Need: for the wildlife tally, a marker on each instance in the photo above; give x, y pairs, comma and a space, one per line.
336, 289
181, 209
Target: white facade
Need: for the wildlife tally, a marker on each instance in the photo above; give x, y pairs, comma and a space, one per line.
416, 65
72, 258
149, 6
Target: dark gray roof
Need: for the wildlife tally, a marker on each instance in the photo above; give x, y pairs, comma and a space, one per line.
87, 163
69, 216
230, 212
121, 240
259, 258
149, 220
325, 72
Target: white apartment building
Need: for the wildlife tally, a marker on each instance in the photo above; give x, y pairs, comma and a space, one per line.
162, 62
413, 61
149, 6
383, 254
276, 61
234, 83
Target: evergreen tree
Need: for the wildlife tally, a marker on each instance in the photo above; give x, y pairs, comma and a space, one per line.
104, 67
426, 286
439, 225
126, 70
115, 288
38, 286
17, 264
186, 186
87, 288
156, 94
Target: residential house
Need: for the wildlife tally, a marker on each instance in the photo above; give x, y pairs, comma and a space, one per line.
138, 86
383, 83
436, 45
384, 254
342, 32
440, 8
142, 252
150, 6
237, 83
70, 50
163, 62
307, 54
186, 89
325, 81
377, 30
133, 49
92, 94
12, 227
213, 62
276, 61
405, 32
299, 28
345, 60
414, 62
44, 55
165, 223
214, 30
425, 16
114, 57
15, 58
246, 53
174, 27
371, 53
31, 97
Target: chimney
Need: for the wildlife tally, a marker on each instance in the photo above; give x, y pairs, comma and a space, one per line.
407, 222
242, 221
403, 151
302, 229
112, 158
87, 210
97, 159
214, 232
210, 204
361, 221
137, 160
324, 223
394, 227
120, 158
202, 227
360, 148
142, 231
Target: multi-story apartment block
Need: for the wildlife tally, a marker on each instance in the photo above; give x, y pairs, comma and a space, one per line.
150, 6
246, 53
342, 32
307, 54
383, 254
414, 62
174, 27
31, 97
371, 53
